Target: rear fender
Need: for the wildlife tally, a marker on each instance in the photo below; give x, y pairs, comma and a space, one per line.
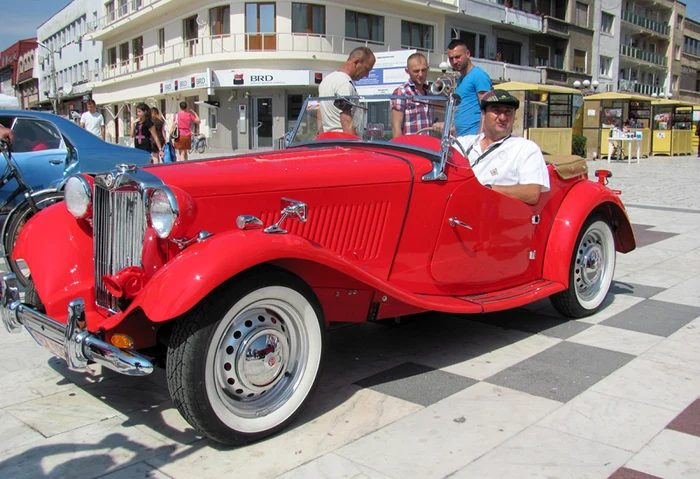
584, 199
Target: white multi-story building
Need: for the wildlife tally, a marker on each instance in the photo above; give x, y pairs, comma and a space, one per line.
246, 67
606, 57
77, 60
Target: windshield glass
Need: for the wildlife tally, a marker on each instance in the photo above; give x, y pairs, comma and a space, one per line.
369, 117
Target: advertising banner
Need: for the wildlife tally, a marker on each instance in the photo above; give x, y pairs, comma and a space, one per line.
247, 78
191, 82
388, 73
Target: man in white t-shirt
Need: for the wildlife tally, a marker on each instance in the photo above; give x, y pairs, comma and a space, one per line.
92, 120
510, 165
338, 115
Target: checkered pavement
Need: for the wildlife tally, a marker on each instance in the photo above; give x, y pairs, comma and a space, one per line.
520, 393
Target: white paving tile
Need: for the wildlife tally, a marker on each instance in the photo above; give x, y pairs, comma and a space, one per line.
609, 420
449, 434
545, 453
86, 452
652, 383
642, 258
332, 466
690, 333
670, 454
687, 292
31, 383
680, 243
676, 353
61, 412
660, 277
486, 365
137, 471
351, 414
15, 433
616, 339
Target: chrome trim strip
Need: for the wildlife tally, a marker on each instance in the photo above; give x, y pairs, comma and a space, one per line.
77, 346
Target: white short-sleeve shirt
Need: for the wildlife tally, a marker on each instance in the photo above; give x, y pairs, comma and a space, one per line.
337, 83
517, 161
93, 122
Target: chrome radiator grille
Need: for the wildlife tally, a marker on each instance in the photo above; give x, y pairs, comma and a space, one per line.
119, 226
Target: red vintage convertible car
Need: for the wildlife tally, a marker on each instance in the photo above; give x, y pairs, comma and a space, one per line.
227, 271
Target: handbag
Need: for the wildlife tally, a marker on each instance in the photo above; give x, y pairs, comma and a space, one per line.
175, 134
169, 153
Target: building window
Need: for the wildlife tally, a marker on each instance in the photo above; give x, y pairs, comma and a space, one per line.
161, 39
416, 35
123, 8
220, 20
581, 14
679, 25
606, 23
137, 50
112, 57
541, 55
364, 26
605, 66
124, 53
675, 82
508, 51
677, 52
308, 18
109, 11
260, 26
580, 61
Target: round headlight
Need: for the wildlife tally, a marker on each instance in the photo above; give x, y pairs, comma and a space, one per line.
78, 196
163, 212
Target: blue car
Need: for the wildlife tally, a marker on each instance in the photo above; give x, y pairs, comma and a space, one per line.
48, 149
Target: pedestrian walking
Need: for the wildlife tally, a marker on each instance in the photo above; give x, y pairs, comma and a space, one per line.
181, 131
472, 85
92, 120
159, 125
145, 134
410, 116
338, 115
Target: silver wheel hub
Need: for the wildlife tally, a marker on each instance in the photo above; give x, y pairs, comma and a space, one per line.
590, 265
253, 356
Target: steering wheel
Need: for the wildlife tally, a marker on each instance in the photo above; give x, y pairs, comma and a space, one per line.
423, 130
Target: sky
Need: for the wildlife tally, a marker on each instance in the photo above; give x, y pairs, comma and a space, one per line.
22, 17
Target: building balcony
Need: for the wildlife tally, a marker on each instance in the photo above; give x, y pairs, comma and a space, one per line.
633, 86
649, 25
562, 77
555, 26
503, 72
250, 47
493, 11
639, 55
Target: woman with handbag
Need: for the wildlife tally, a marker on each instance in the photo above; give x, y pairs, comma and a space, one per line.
145, 134
181, 131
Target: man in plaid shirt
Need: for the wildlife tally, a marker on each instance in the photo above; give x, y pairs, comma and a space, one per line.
407, 116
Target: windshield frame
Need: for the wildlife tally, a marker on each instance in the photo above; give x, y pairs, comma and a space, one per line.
439, 158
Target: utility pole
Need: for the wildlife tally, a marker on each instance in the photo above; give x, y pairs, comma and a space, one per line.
52, 73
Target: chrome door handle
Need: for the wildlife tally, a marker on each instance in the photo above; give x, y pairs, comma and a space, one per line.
455, 222
56, 162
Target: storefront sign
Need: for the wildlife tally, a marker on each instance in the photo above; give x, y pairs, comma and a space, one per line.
244, 78
388, 73
198, 80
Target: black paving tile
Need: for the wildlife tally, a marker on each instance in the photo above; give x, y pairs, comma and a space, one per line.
654, 317
645, 237
416, 383
531, 322
561, 372
632, 289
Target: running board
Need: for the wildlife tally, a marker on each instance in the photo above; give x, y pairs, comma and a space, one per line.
515, 296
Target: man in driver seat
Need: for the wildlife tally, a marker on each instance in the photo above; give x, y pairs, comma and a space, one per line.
510, 165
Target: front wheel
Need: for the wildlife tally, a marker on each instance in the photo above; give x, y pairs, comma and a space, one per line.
17, 220
201, 146
243, 362
592, 270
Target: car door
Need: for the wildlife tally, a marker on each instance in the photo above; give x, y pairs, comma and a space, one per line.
485, 241
40, 153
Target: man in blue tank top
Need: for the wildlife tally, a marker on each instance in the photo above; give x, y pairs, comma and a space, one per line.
471, 87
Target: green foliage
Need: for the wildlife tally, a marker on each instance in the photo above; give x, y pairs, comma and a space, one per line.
578, 145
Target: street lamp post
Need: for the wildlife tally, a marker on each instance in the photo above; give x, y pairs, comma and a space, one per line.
587, 87
52, 73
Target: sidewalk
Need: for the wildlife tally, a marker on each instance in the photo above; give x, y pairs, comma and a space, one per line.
521, 393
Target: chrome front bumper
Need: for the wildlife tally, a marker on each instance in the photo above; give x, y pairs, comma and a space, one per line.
70, 341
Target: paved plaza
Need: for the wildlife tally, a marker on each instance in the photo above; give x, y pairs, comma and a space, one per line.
521, 393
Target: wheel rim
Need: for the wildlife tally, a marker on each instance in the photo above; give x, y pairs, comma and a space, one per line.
260, 358
593, 269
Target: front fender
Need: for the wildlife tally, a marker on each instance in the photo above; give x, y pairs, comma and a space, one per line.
585, 198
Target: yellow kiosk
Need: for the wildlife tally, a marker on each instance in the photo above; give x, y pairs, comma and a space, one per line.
547, 115
607, 111
696, 121
672, 130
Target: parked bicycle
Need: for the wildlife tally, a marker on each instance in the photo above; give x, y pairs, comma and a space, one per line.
33, 202
199, 144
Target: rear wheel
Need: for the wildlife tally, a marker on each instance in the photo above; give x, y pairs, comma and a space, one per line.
592, 270
16, 223
201, 146
243, 362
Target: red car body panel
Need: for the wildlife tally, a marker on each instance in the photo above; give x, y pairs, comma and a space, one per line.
377, 243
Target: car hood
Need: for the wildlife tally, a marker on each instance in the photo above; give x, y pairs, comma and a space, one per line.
293, 169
